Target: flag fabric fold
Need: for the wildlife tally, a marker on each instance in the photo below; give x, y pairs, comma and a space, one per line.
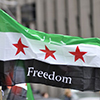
30, 56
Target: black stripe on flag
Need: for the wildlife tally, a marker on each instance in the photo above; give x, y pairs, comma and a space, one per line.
63, 76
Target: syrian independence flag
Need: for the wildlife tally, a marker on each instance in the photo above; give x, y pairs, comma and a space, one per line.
30, 56
21, 91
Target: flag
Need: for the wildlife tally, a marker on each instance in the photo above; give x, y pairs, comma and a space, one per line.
31, 56
21, 91
29, 92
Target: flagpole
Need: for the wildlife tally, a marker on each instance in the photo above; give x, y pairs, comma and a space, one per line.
0, 93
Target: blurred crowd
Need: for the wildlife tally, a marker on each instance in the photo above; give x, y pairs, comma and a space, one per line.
68, 95
6, 94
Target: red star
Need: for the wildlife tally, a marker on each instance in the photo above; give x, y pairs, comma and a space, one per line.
78, 54
48, 52
20, 47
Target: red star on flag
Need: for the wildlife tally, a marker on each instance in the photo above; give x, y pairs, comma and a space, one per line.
20, 47
78, 54
48, 52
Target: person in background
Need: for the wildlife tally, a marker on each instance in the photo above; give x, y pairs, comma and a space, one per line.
68, 95
45, 95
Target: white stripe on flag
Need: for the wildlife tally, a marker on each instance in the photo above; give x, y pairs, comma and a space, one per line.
22, 85
35, 51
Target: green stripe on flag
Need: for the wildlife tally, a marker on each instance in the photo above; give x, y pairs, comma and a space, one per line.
8, 24
29, 92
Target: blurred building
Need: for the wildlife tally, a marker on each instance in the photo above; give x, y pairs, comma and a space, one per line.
69, 17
